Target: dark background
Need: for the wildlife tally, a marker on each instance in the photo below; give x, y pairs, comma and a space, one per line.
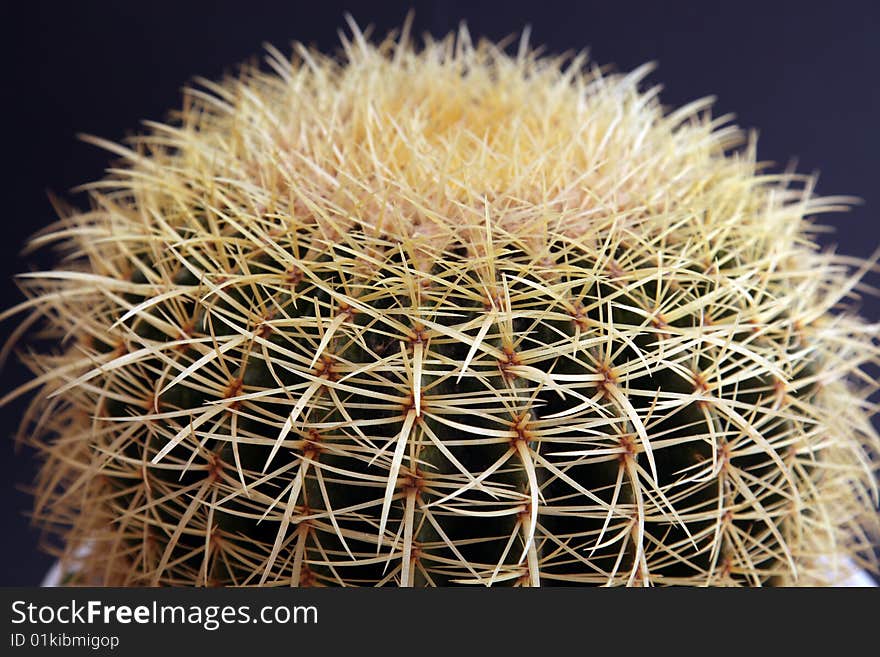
804, 74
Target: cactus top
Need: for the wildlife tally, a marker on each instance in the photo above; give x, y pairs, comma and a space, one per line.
448, 314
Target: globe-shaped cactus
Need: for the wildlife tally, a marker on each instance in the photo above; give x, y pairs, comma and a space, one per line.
447, 314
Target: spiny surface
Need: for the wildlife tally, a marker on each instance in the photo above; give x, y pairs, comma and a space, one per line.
448, 315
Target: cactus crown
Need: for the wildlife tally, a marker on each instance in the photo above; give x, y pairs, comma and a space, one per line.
443, 315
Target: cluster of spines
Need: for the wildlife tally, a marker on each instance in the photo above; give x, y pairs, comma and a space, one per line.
288, 357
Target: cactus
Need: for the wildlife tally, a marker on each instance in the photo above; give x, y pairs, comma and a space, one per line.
447, 314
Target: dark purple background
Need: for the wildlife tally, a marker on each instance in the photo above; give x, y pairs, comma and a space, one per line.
805, 75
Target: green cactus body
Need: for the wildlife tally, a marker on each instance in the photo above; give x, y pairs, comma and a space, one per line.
448, 316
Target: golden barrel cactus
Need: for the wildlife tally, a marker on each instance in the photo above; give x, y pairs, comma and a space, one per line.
441, 315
